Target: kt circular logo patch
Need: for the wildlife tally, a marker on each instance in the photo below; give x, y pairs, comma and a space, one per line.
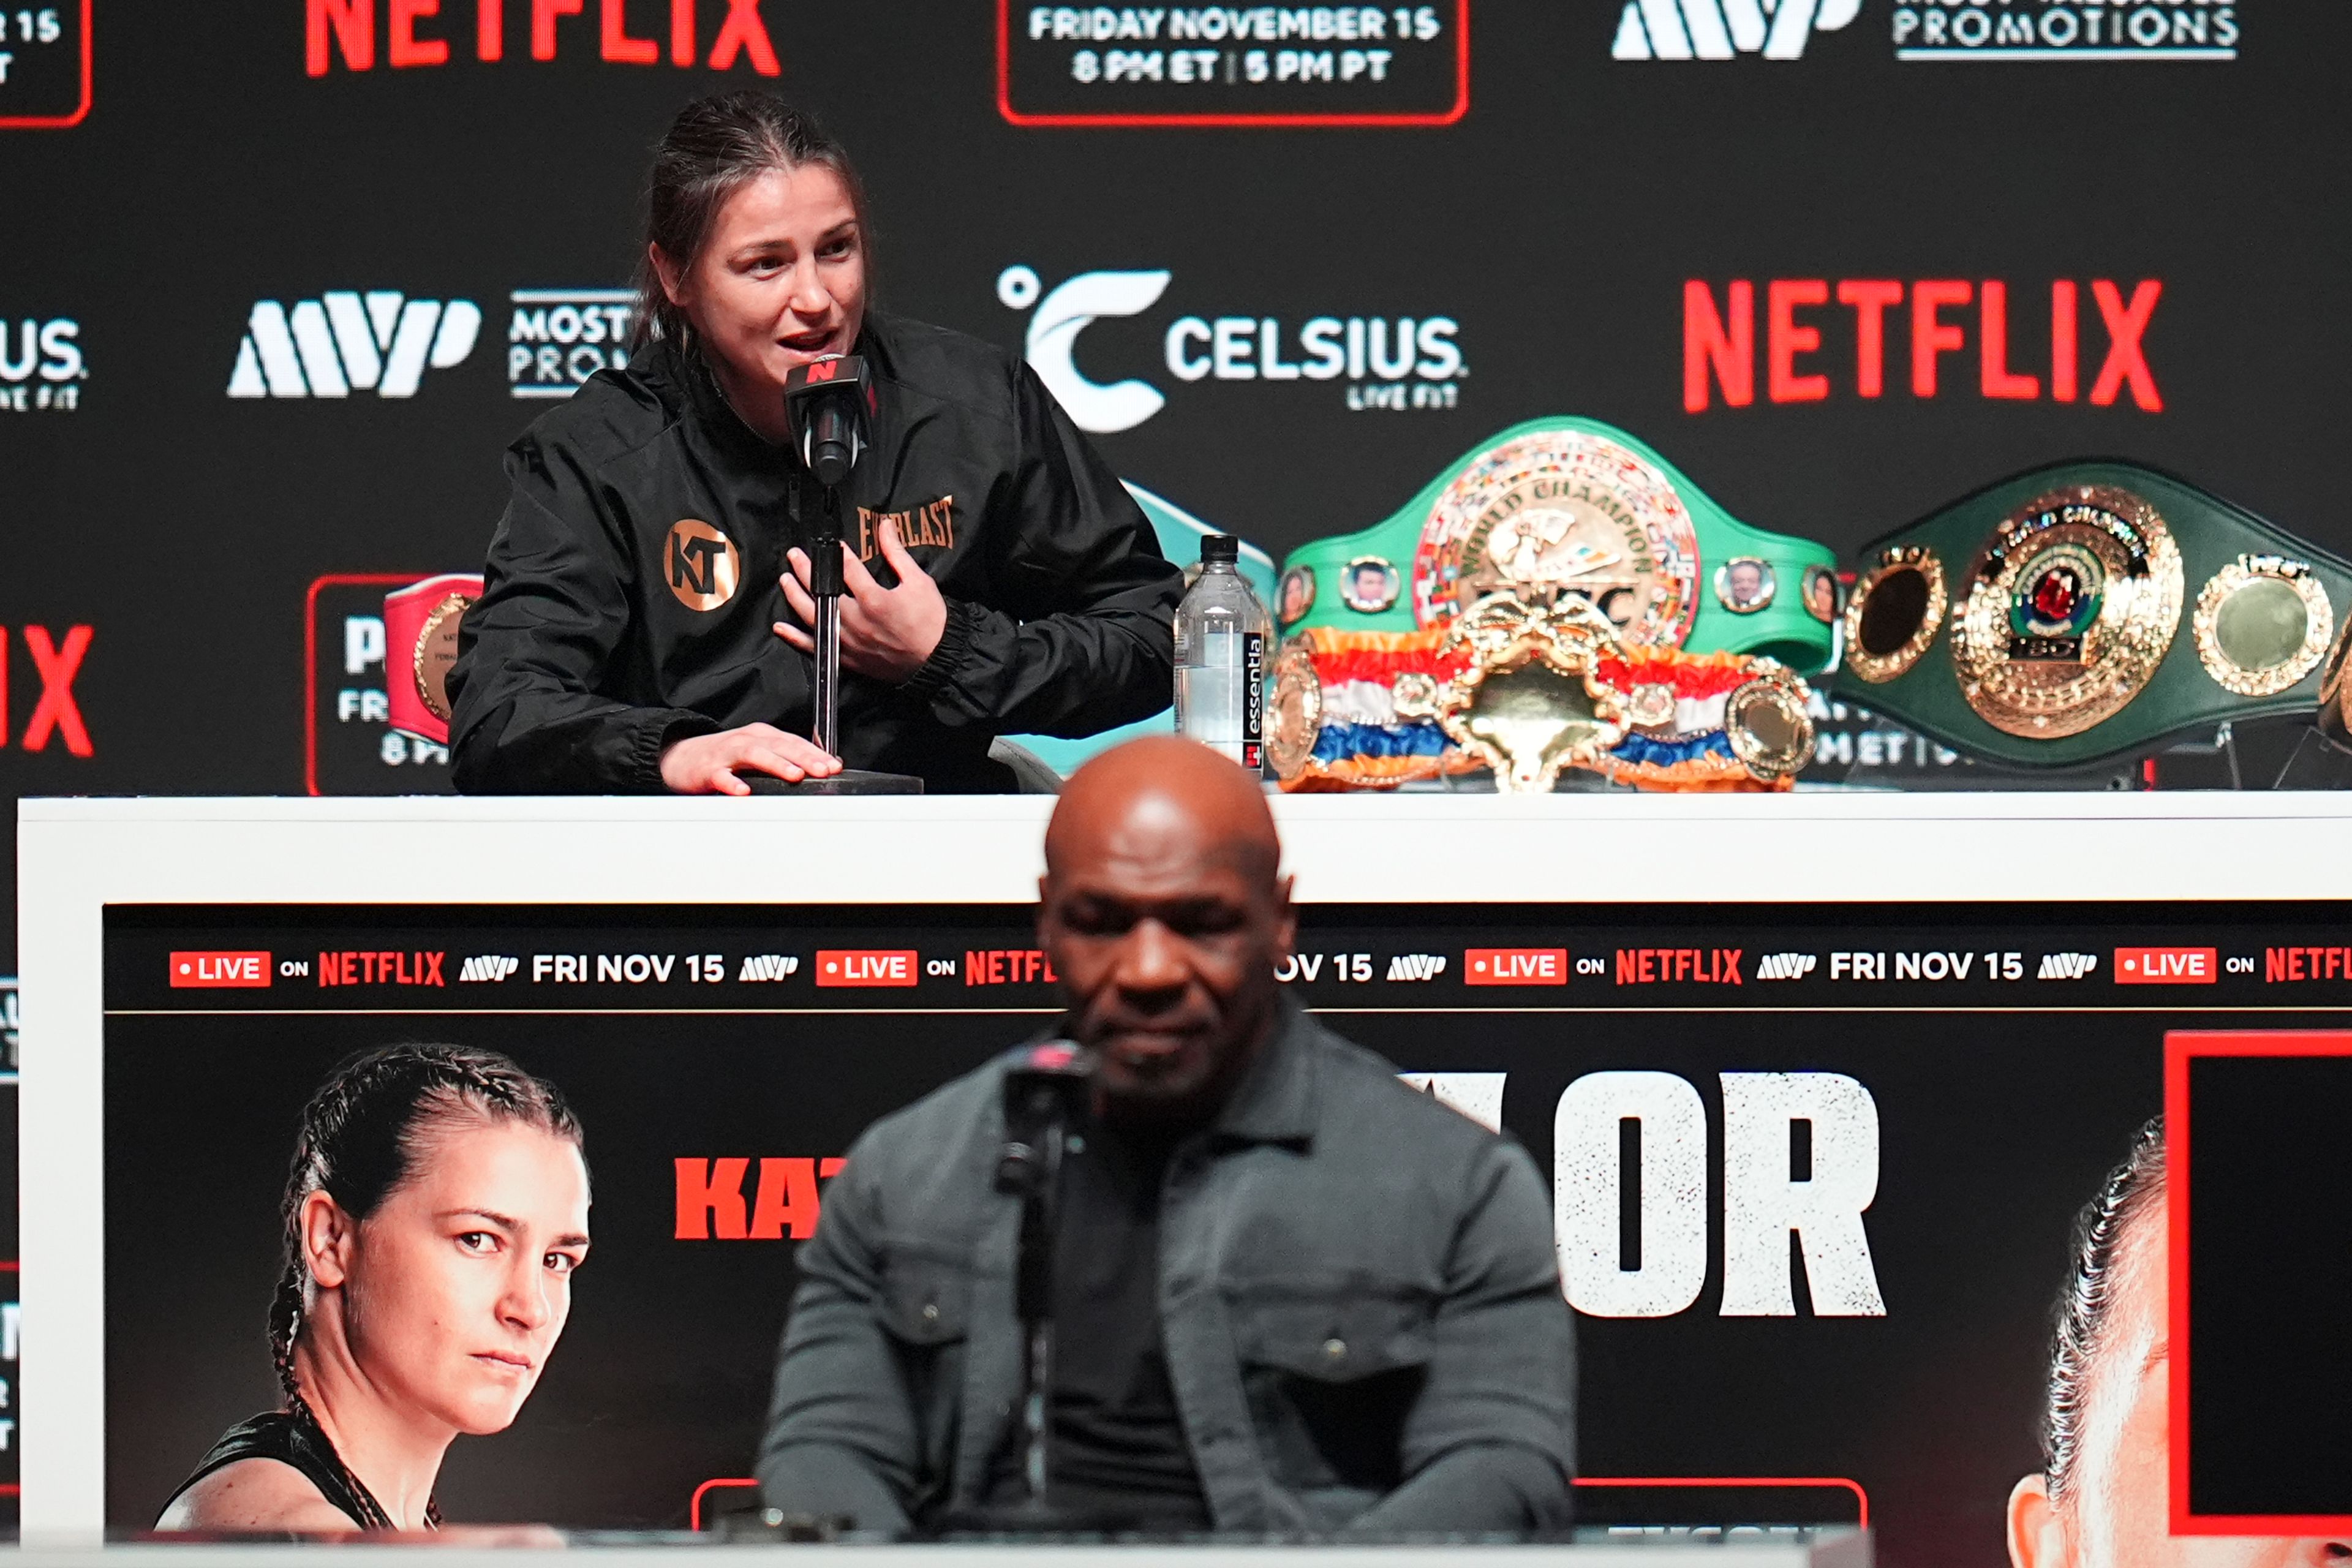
700, 565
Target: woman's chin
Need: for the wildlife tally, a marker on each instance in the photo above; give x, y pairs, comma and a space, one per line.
491, 1411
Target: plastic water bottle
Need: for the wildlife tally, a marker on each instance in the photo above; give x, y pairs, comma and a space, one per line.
1222, 638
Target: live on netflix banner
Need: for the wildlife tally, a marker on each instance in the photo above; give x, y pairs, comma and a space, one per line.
1826, 1250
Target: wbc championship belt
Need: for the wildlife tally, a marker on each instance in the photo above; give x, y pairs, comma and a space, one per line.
2086, 610
1528, 691
1566, 509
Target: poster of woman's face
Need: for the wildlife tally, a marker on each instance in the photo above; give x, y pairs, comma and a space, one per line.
465, 1273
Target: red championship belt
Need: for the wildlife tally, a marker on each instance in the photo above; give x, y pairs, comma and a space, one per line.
420, 639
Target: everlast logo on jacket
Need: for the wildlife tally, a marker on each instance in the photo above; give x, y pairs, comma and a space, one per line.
931, 523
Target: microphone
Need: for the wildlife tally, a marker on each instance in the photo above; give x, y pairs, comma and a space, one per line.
1048, 1099
827, 403
1048, 1093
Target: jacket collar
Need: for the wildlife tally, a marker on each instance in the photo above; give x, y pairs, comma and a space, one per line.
1276, 1101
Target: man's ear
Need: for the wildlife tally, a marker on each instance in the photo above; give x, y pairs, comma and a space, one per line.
328, 1236
1286, 920
673, 279
2037, 1539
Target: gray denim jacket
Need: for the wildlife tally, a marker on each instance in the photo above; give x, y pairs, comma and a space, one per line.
1360, 1305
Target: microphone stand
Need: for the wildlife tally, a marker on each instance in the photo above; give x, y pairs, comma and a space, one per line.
1038, 1117
830, 464
1031, 1170
825, 587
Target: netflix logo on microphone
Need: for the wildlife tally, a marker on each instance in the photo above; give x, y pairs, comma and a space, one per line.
1812, 340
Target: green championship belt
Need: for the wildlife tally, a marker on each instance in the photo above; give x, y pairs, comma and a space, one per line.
1567, 506
2085, 610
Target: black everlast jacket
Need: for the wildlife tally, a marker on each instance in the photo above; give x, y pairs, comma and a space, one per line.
632, 586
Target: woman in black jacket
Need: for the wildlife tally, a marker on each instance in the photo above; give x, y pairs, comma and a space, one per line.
628, 639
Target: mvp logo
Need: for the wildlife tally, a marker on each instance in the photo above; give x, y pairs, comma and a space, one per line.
1719, 340
343, 343
1721, 29
348, 27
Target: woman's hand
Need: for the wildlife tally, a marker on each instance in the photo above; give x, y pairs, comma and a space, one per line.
886, 633
707, 764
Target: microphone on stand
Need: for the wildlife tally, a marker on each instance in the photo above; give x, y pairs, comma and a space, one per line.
825, 403
1048, 1096
828, 402
829, 406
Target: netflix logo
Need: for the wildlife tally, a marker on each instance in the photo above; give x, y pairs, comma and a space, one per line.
381, 968
1943, 322
56, 661
415, 33
1007, 966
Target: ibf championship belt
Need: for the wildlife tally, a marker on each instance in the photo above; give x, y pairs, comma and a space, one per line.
1565, 509
1528, 691
2087, 610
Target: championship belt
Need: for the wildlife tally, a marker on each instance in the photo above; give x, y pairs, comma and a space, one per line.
2087, 610
1566, 509
1528, 691
420, 638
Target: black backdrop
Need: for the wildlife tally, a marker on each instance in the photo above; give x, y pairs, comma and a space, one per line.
1555, 221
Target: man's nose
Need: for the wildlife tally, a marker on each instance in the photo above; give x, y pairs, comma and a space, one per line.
1151, 960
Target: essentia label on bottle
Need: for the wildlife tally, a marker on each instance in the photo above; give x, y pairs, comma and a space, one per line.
1253, 747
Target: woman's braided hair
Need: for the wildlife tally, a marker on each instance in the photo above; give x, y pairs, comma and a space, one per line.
363, 1134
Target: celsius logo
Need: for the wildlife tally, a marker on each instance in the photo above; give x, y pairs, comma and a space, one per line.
558, 338
343, 343
40, 365
1721, 29
1397, 362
